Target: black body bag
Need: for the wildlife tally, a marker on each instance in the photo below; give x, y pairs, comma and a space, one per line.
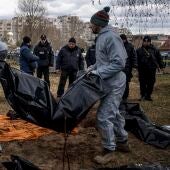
31, 99
138, 123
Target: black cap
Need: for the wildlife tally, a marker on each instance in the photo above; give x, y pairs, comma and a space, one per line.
123, 37
43, 37
73, 40
147, 38
26, 40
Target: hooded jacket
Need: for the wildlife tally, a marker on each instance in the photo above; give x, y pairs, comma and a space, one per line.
110, 57
28, 61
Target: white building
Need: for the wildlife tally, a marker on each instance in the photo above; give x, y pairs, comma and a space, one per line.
5, 27
69, 26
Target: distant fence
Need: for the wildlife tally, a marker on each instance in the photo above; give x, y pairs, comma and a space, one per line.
13, 58
166, 62
166, 58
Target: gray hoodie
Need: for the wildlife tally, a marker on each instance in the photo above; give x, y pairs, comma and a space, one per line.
110, 57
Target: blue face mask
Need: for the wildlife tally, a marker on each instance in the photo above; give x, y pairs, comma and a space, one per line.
29, 46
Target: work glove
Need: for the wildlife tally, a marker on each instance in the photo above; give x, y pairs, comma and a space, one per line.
90, 68
94, 72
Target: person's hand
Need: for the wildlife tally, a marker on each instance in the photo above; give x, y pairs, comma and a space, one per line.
94, 72
90, 68
162, 70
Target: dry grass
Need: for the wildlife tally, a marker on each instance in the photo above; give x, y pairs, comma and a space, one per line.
158, 110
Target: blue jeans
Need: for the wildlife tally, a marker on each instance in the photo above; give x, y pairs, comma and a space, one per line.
109, 121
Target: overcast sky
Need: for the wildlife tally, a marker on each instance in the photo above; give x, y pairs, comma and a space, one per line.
84, 9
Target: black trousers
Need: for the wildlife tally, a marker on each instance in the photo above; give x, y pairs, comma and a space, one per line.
63, 79
126, 92
147, 81
43, 71
128, 73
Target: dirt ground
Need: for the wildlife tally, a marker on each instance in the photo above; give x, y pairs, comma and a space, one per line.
46, 152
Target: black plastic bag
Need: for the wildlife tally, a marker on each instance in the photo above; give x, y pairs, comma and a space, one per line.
27, 95
76, 102
31, 99
18, 163
138, 123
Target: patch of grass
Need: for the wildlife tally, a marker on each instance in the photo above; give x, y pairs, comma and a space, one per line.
159, 109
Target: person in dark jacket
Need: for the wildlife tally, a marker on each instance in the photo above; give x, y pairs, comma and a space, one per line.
90, 55
3, 50
131, 62
69, 60
28, 61
44, 51
149, 59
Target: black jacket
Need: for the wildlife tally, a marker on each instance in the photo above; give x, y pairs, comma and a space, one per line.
131, 61
70, 59
90, 56
149, 58
45, 54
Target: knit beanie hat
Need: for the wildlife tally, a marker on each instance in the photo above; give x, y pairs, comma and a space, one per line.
43, 37
72, 40
123, 37
147, 38
101, 18
26, 40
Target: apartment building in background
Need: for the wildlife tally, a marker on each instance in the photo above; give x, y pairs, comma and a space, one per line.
5, 27
70, 26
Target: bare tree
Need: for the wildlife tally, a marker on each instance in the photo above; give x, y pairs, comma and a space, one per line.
76, 30
72, 26
54, 35
140, 13
33, 12
75, 26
